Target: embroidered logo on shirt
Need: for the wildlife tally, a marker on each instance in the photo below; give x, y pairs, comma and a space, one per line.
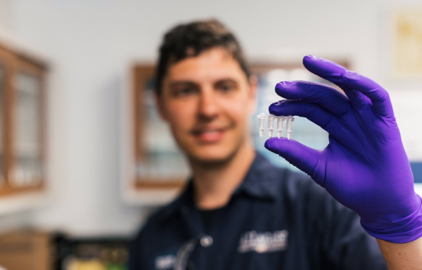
263, 241
165, 262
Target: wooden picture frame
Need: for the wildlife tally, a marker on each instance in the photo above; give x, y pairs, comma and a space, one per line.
15, 64
142, 76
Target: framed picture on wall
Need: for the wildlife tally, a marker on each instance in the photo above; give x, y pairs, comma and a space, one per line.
407, 43
159, 163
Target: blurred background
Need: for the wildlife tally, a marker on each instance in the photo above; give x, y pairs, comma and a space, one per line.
84, 158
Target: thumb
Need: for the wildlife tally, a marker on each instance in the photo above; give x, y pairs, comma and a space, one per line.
304, 158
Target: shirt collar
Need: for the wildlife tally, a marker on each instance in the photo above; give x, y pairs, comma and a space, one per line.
258, 183
259, 180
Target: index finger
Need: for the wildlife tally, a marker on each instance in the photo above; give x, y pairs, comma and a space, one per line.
347, 79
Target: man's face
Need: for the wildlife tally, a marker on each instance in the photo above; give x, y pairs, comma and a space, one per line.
207, 100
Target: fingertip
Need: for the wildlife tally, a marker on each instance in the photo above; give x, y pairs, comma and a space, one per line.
322, 67
268, 143
281, 86
276, 145
275, 107
309, 58
311, 63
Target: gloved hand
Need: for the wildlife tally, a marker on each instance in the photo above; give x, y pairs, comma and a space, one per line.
364, 166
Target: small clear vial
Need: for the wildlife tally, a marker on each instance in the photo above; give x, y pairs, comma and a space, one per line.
261, 118
271, 119
289, 126
280, 124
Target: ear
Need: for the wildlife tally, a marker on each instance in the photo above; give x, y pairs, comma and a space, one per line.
159, 102
253, 89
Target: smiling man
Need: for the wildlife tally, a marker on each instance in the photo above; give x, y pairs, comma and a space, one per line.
240, 212
207, 100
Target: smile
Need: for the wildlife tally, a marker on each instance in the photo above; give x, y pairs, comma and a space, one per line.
209, 135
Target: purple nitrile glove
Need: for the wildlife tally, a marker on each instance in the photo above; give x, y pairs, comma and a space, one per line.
364, 166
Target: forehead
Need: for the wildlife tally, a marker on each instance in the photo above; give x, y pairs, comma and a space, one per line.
210, 65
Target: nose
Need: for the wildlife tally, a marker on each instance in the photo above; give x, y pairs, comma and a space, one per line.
208, 105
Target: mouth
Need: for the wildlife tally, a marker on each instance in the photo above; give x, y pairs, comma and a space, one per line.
209, 135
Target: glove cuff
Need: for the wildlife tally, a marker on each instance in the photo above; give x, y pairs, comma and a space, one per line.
406, 230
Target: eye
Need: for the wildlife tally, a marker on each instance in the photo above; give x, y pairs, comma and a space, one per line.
226, 87
184, 91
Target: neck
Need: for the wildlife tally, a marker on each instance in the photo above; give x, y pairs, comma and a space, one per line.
215, 183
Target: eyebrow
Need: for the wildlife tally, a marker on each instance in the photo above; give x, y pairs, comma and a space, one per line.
191, 83
182, 83
230, 80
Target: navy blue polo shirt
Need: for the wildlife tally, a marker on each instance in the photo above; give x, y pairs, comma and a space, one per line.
276, 219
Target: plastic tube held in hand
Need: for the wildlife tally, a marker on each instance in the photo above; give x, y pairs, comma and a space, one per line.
289, 127
270, 125
280, 123
261, 118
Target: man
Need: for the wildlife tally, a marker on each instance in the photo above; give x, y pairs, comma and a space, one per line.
240, 212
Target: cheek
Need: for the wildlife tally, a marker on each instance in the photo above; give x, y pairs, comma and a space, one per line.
238, 109
180, 116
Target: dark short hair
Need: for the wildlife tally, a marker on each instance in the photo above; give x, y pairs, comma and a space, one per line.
190, 40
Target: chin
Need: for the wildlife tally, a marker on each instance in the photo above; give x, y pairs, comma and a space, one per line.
214, 156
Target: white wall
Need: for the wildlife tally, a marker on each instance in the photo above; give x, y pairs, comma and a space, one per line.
5, 14
91, 45
22, 218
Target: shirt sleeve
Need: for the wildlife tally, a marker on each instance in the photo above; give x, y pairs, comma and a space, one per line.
338, 236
